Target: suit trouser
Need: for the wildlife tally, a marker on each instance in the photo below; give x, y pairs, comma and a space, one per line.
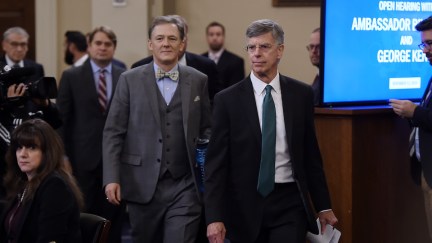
284, 217
173, 214
427, 194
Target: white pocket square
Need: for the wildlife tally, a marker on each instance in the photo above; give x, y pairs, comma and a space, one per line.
196, 99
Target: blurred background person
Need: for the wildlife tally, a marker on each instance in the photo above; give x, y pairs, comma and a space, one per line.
75, 48
84, 100
43, 198
314, 54
15, 46
230, 67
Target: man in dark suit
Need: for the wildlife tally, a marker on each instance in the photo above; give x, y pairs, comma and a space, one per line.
15, 46
420, 118
84, 99
229, 66
313, 49
158, 113
198, 62
242, 200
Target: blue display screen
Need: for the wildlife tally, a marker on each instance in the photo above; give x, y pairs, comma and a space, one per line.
370, 51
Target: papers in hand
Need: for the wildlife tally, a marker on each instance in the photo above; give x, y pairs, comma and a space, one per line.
331, 235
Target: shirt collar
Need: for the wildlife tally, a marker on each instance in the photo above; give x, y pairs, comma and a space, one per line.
259, 86
11, 63
215, 55
96, 68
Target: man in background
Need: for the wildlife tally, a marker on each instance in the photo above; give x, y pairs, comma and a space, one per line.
420, 118
314, 54
75, 48
198, 62
229, 66
15, 46
84, 99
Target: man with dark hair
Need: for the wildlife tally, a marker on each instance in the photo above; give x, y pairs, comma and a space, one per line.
198, 62
263, 166
420, 118
84, 100
230, 66
75, 48
314, 54
158, 113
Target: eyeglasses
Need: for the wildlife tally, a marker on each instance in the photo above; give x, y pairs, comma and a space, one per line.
262, 47
311, 47
15, 44
426, 45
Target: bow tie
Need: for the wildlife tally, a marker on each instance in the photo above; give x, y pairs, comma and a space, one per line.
174, 75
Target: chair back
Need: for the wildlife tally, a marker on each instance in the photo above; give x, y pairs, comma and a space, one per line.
94, 229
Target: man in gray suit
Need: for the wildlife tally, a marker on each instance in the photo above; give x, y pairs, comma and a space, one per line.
158, 113
83, 101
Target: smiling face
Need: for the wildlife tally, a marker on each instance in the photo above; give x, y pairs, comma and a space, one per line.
264, 55
29, 159
166, 44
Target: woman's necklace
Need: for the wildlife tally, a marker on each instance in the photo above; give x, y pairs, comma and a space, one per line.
21, 198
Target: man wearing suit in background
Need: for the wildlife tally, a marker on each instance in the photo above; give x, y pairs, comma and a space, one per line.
420, 118
314, 54
229, 66
15, 46
263, 161
158, 113
84, 99
75, 48
198, 62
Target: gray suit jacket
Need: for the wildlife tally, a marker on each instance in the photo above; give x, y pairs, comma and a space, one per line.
132, 139
83, 120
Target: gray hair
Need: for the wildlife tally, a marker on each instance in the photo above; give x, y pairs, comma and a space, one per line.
170, 19
15, 30
264, 26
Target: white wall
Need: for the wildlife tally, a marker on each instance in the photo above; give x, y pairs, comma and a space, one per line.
130, 23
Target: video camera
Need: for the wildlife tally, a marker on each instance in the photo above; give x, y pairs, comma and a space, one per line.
43, 88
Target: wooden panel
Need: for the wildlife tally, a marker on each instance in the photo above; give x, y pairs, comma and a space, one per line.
19, 13
365, 153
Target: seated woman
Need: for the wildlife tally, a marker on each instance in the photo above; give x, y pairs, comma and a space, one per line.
44, 199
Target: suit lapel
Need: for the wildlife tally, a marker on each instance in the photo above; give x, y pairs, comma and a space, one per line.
185, 88
288, 108
151, 89
248, 104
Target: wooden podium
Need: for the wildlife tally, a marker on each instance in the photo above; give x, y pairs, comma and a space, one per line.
366, 161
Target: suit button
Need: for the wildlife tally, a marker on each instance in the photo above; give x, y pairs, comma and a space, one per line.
168, 162
160, 140
167, 149
158, 160
168, 123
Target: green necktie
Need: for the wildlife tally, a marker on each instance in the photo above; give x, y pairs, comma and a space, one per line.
266, 176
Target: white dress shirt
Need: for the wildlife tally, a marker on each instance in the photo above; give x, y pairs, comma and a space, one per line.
283, 164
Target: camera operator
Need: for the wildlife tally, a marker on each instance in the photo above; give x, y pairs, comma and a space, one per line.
17, 106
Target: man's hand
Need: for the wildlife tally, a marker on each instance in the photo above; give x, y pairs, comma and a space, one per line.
112, 191
403, 108
327, 217
16, 90
216, 232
